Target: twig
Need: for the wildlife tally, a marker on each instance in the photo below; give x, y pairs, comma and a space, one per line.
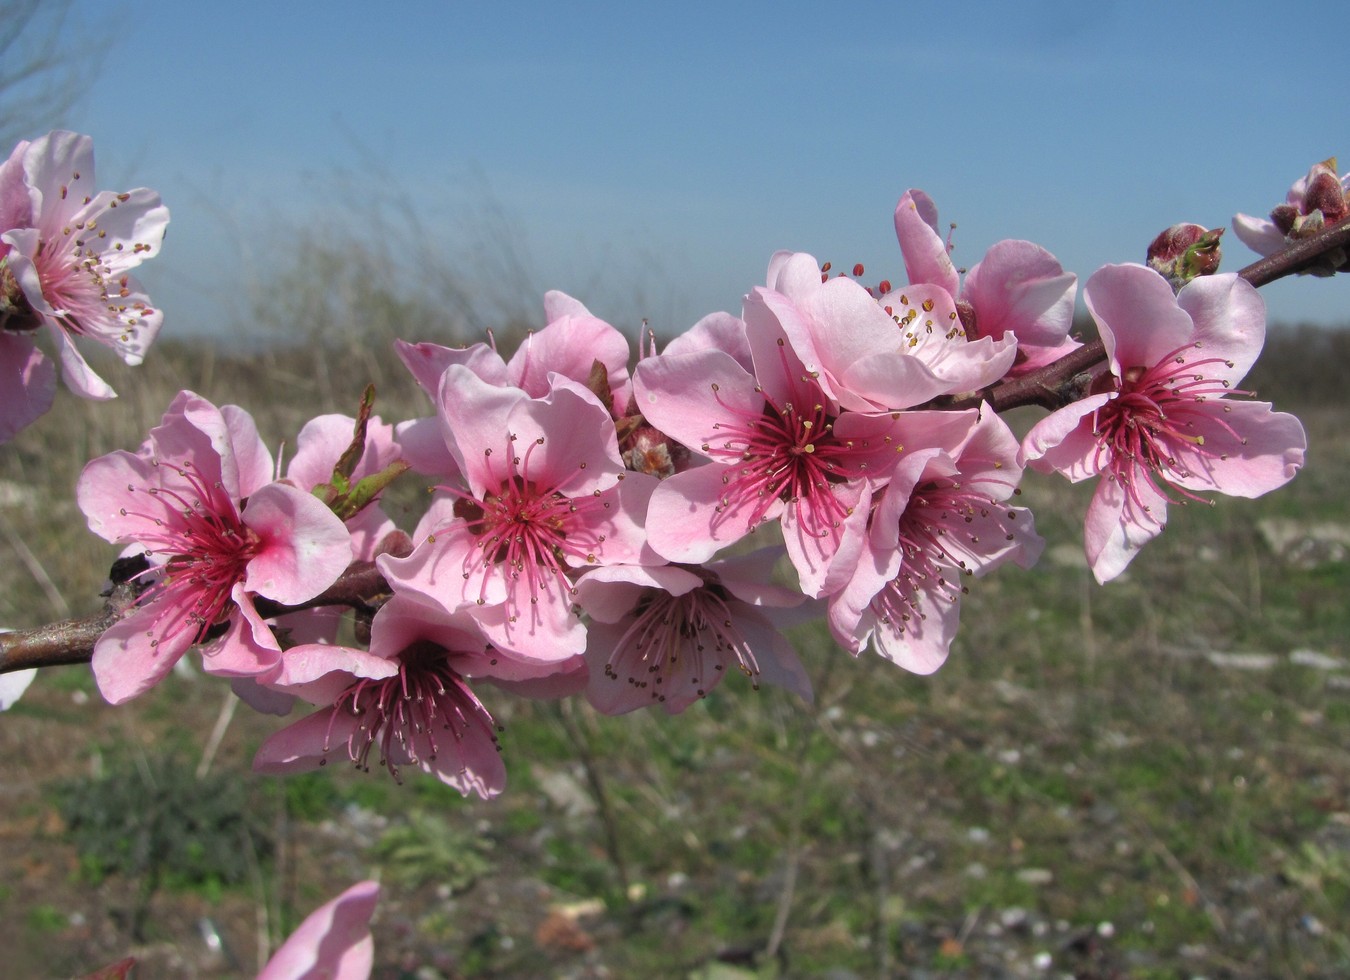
227, 709
35, 569
1066, 380
780, 915
595, 780
71, 641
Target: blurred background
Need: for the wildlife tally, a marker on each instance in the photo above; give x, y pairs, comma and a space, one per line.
1149, 779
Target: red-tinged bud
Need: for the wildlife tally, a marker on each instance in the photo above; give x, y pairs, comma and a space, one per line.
1185, 251
1285, 217
1322, 202
1325, 194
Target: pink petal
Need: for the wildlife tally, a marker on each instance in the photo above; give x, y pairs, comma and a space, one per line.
1248, 450
1118, 525
684, 523
569, 346
686, 396
1229, 318
1063, 442
428, 362
716, 331
305, 546
128, 660
27, 384
610, 593
333, 943
925, 252
1022, 288
1259, 234
252, 459
1137, 314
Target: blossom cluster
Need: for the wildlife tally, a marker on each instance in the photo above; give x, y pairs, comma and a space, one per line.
634, 528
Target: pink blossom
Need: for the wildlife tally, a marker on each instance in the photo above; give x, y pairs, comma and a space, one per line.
333, 943
868, 355
668, 634
571, 343
406, 700
778, 447
1160, 425
1017, 290
543, 491
941, 519
1315, 201
68, 256
199, 501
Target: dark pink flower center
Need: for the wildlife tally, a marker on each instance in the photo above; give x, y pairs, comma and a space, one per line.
414, 716
1149, 430
531, 528
787, 452
937, 512
208, 548
686, 638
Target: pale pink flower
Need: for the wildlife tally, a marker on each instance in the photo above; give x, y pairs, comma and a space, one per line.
778, 446
333, 943
1159, 426
407, 701
1315, 201
198, 500
570, 344
941, 519
68, 258
543, 492
1017, 290
667, 634
869, 355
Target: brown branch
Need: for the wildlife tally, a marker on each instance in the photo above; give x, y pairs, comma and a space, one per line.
71, 641
1068, 379
1052, 387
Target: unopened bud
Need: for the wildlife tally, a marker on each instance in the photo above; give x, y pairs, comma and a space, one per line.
1185, 251
1322, 201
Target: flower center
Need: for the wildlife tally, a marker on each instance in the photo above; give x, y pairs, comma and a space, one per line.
530, 527
78, 279
787, 452
208, 548
412, 715
686, 639
1154, 414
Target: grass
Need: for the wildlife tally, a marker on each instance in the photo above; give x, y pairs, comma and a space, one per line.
1083, 759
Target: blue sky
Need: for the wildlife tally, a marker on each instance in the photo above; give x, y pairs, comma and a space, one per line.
649, 158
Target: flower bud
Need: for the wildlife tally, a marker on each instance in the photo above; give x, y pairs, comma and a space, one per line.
1185, 251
